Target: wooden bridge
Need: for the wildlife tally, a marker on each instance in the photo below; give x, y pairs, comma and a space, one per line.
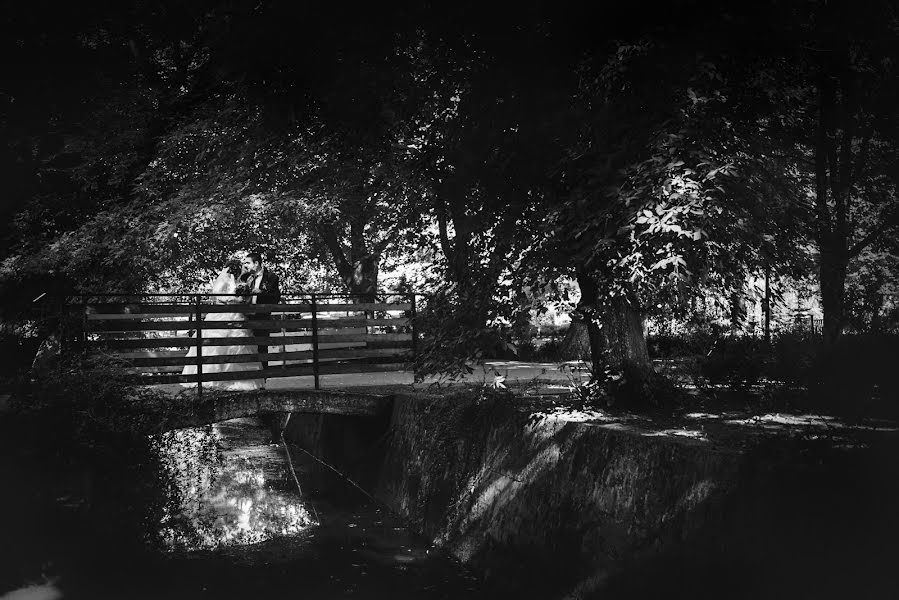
149, 336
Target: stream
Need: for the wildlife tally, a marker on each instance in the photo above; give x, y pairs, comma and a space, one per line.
215, 511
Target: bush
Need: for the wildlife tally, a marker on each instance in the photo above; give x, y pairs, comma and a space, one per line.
88, 390
526, 349
736, 361
17, 354
550, 351
793, 354
450, 338
859, 374
696, 338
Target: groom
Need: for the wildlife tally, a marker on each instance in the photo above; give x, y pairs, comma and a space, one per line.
264, 284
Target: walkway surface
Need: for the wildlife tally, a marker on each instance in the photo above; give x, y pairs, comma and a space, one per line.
546, 375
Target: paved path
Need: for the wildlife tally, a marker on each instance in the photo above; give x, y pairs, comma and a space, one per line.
505, 372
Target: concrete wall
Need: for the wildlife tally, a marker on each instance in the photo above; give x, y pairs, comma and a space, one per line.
617, 511
583, 510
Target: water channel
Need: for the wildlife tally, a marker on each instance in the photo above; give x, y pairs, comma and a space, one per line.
215, 511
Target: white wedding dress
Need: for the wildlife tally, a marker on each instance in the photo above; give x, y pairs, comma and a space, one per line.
226, 284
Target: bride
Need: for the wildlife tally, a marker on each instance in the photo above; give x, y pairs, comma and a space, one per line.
226, 283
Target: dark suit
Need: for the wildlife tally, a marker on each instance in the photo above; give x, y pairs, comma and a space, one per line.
269, 292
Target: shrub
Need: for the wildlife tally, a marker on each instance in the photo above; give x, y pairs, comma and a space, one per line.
526, 349
793, 354
858, 374
695, 338
89, 390
551, 351
451, 336
737, 361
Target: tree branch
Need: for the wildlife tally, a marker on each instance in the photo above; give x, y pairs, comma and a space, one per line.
847, 112
380, 246
821, 147
861, 159
888, 223
445, 244
328, 234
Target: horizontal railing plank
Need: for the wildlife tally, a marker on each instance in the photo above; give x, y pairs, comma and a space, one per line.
270, 373
158, 361
185, 342
225, 376
370, 306
138, 311
365, 337
274, 340
172, 317
214, 359
275, 325
187, 309
347, 368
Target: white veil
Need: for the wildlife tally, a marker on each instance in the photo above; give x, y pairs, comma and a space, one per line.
223, 284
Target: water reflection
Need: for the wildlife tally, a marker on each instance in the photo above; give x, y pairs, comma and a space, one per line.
215, 494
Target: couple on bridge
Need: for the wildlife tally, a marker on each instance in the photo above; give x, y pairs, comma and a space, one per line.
243, 280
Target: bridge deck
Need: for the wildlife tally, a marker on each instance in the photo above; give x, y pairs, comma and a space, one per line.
553, 375
358, 394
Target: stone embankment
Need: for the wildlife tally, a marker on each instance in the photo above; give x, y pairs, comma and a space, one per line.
585, 505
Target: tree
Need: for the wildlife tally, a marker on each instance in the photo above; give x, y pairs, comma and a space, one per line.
192, 145
495, 117
854, 146
676, 186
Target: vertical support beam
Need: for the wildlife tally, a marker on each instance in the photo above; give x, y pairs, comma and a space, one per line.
199, 319
414, 313
283, 345
315, 341
767, 304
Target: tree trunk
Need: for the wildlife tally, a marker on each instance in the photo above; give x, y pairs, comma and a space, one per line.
576, 343
832, 273
362, 278
614, 329
621, 337
357, 267
737, 310
837, 167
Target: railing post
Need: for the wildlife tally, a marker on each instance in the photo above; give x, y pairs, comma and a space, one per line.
767, 304
315, 342
283, 344
199, 318
414, 312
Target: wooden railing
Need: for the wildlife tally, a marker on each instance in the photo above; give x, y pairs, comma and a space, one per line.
149, 335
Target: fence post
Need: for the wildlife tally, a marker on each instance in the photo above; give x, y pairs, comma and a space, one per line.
414, 313
767, 304
315, 341
199, 318
283, 343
